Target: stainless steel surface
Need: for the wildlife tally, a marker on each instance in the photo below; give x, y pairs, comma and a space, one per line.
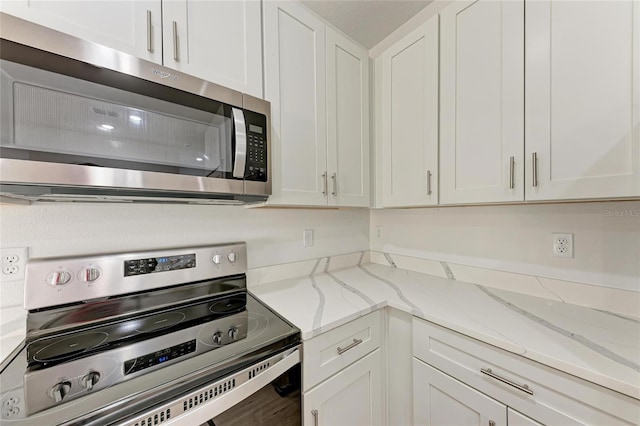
428, 182
352, 345
222, 394
324, 180
314, 413
42, 181
523, 388
176, 55
111, 281
240, 161
335, 184
512, 166
534, 166
149, 33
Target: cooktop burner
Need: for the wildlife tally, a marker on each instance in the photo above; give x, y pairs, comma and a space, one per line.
226, 306
160, 322
70, 346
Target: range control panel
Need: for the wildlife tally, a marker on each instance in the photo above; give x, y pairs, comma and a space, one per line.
52, 282
158, 357
159, 264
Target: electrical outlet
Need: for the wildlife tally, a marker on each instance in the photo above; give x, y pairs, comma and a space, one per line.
562, 245
14, 262
307, 237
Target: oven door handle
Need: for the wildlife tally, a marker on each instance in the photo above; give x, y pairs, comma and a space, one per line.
206, 411
240, 158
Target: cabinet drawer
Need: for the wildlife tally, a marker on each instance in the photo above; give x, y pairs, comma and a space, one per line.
556, 397
332, 351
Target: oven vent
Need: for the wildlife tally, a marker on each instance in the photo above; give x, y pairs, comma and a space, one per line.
259, 369
156, 419
206, 395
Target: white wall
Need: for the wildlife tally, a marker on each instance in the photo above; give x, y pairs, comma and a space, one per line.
273, 236
518, 239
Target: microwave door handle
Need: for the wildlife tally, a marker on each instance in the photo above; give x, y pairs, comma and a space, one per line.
240, 158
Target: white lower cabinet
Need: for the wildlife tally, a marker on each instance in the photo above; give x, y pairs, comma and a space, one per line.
518, 419
439, 399
352, 397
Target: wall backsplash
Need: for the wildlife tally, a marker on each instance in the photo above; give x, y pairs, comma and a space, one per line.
517, 238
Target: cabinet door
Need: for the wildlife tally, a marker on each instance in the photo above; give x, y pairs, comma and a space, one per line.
352, 397
439, 399
130, 26
514, 418
219, 41
295, 86
583, 99
410, 119
482, 102
347, 121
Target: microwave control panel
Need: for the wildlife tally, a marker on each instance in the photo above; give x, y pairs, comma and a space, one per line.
257, 154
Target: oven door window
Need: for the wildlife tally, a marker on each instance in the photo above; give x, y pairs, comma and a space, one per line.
62, 119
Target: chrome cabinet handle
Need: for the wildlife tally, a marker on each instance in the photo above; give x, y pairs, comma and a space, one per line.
176, 56
324, 179
149, 33
335, 185
314, 413
428, 182
355, 343
492, 423
512, 167
534, 159
523, 388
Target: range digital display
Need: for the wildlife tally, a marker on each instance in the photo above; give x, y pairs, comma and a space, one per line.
158, 357
159, 264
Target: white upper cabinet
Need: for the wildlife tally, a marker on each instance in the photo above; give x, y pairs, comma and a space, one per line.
133, 27
409, 119
295, 86
317, 83
347, 122
219, 41
482, 102
583, 99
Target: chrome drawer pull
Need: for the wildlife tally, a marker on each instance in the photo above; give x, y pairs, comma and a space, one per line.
523, 388
355, 343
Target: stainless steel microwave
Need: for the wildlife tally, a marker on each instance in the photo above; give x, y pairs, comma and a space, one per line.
83, 122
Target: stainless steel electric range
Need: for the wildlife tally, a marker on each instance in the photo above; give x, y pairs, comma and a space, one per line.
159, 337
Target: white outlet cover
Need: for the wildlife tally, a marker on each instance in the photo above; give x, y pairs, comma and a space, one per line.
12, 258
562, 245
307, 237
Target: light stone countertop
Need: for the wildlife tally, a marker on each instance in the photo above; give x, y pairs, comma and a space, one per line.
595, 345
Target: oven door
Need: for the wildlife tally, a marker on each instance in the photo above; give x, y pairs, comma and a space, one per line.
264, 393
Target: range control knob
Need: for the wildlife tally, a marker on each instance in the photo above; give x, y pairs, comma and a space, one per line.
217, 338
58, 278
232, 257
60, 390
90, 380
233, 332
89, 274
217, 258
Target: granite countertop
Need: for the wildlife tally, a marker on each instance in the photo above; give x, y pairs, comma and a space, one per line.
595, 345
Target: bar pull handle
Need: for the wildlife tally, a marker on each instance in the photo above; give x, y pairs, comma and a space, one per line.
176, 56
523, 388
149, 33
240, 160
314, 413
512, 168
428, 182
534, 165
324, 179
335, 185
355, 343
